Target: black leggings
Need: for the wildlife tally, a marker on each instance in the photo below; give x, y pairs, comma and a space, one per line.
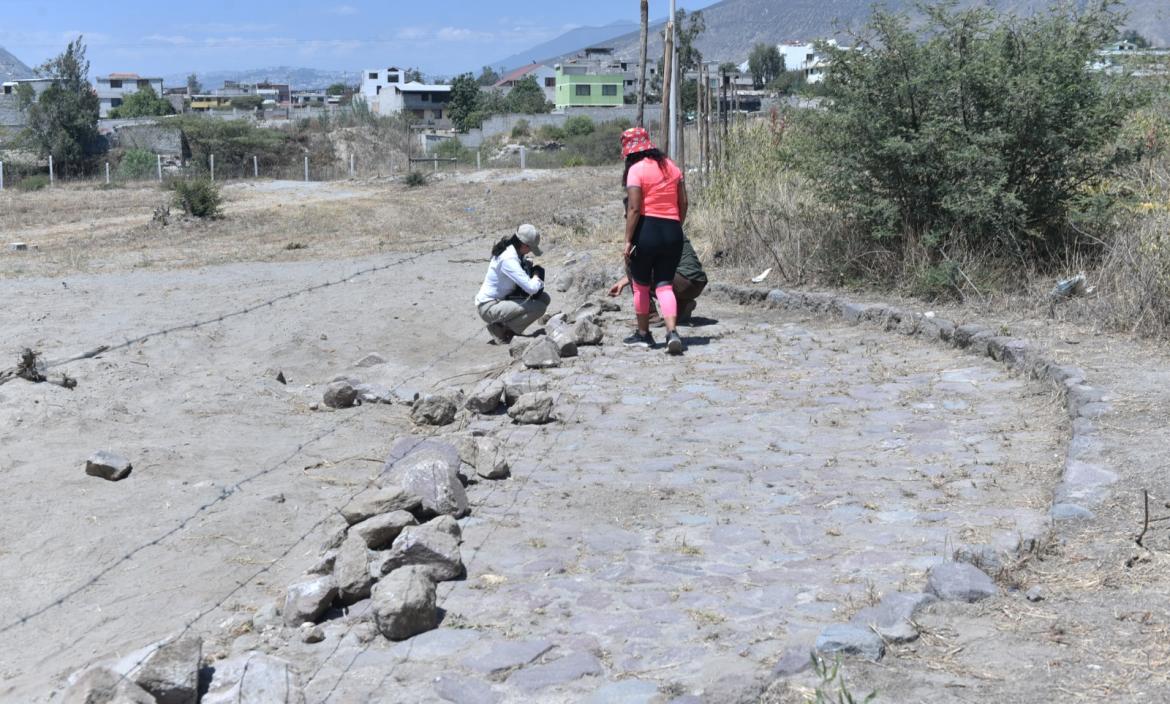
659, 244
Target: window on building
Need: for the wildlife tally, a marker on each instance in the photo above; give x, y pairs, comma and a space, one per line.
425, 97
438, 114
420, 114
143, 84
378, 90
550, 82
609, 89
115, 83
115, 102
392, 78
373, 75
584, 90
7, 90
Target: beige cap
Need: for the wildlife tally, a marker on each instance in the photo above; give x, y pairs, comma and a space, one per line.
529, 235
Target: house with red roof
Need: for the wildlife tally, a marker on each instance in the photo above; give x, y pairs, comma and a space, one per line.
546, 78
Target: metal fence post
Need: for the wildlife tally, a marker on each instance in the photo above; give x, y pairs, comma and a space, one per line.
51, 176
477, 166
351, 171
255, 166
523, 158
306, 169
158, 165
1, 175
212, 167
107, 173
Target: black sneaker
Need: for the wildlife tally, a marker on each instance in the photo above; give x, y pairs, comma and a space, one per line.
674, 343
639, 339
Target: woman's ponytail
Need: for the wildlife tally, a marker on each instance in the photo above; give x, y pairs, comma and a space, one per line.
509, 241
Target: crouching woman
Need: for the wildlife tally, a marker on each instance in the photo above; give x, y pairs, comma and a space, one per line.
512, 296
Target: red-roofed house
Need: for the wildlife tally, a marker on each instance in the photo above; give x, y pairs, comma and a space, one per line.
545, 77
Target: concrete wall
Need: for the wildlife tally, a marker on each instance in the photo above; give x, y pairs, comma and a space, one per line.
503, 124
10, 114
154, 138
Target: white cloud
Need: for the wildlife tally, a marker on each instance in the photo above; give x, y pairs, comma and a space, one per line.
461, 34
343, 10
411, 34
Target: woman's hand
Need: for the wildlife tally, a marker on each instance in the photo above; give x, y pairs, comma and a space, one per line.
628, 250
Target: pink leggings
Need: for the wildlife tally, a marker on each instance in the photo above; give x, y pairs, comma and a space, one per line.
667, 305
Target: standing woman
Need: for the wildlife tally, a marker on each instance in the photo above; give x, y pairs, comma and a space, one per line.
512, 296
655, 214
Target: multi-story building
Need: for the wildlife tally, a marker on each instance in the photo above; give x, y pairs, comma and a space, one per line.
114, 88
387, 92
581, 85
544, 76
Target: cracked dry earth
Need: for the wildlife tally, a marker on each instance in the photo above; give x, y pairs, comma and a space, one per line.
687, 521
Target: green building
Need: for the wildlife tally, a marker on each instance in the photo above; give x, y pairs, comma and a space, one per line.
577, 87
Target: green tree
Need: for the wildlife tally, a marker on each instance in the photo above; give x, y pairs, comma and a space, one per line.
1134, 37
413, 75
337, 89
142, 103
62, 122
688, 28
464, 103
247, 102
488, 77
766, 63
194, 87
527, 97
973, 130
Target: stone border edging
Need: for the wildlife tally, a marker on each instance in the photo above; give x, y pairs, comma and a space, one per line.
1084, 480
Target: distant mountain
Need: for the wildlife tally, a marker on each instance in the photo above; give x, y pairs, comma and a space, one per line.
300, 78
11, 68
734, 26
567, 43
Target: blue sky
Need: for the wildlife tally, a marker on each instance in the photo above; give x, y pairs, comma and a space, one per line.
160, 38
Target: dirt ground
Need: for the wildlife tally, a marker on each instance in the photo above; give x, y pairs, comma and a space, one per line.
233, 472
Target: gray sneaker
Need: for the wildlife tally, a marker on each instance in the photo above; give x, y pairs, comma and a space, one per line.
639, 339
674, 343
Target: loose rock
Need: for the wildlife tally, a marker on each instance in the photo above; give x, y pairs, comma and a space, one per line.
959, 581
108, 465
374, 393
254, 678
486, 397
370, 360
532, 409
892, 617
851, 640
489, 459
379, 532
427, 546
339, 394
563, 338
375, 503
542, 354
448, 525
267, 616
520, 383
307, 600
100, 685
404, 604
171, 673
352, 571
431, 472
587, 332
311, 633
433, 409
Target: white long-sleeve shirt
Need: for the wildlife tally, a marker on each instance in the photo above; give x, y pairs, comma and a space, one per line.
503, 276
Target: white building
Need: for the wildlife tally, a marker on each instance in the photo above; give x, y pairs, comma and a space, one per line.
803, 57
112, 89
387, 91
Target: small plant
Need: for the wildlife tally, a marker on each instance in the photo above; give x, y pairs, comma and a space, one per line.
137, 164
579, 126
575, 160
550, 133
33, 183
521, 129
832, 689
414, 179
198, 197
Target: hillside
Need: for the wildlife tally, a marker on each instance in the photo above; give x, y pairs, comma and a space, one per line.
11, 67
733, 26
300, 78
566, 43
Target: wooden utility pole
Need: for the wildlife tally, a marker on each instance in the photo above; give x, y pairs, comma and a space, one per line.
667, 66
642, 63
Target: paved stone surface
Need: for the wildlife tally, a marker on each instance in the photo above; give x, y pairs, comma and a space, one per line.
798, 468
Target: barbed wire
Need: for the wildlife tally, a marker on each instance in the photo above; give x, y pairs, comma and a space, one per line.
188, 625
128, 342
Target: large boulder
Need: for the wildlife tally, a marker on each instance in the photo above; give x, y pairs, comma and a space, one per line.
383, 500
486, 397
433, 409
562, 335
171, 673
429, 547
307, 600
254, 678
351, 570
542, 354
380, 531
532, 409
404, 604
340, 394
490, 462
428, 469
100, 685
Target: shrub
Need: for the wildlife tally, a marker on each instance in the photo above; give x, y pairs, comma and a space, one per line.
574, 160
33, 183
976, 130
198, 197
520, 130
451, 149
414, 179
578, 126
550, 133
137, 164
